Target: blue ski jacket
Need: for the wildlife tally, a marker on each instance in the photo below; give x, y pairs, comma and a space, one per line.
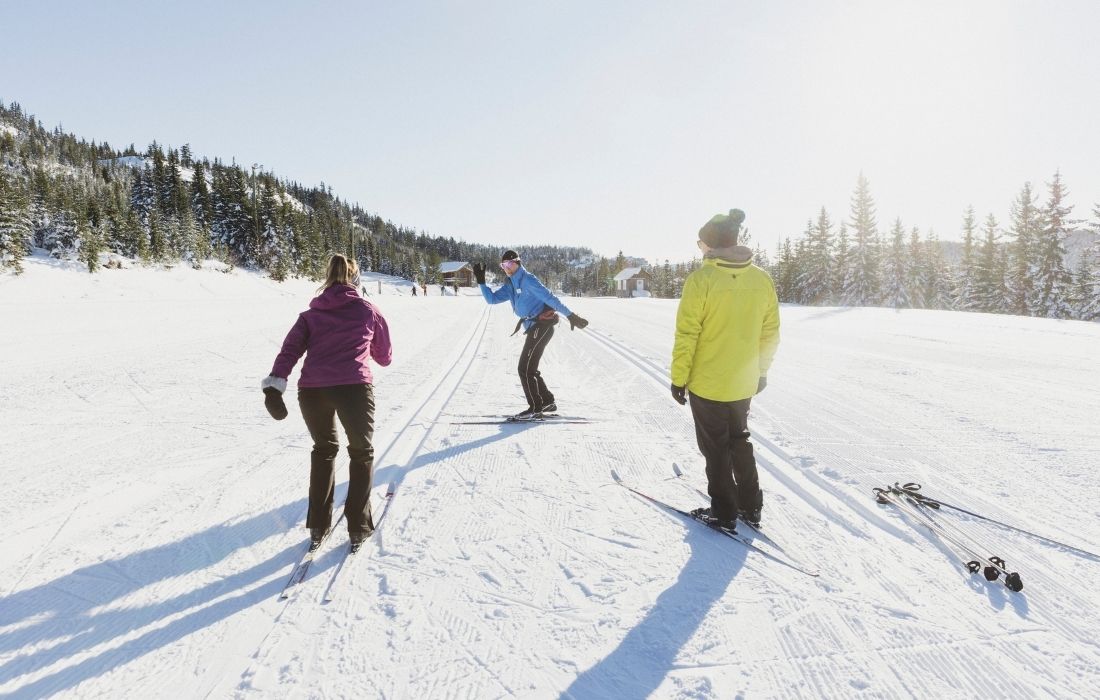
529, 297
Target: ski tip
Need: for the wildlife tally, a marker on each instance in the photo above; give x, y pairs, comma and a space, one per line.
615, 476
676, 469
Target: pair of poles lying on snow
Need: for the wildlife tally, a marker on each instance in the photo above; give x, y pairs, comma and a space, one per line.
908, 499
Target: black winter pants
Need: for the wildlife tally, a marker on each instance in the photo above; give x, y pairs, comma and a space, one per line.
353, 404
534, 388
721, 429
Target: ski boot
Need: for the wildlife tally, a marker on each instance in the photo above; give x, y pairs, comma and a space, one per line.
316, 537
357, 540
751, 514
704, 515
525, 415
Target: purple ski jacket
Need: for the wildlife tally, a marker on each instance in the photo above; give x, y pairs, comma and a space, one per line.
337, 333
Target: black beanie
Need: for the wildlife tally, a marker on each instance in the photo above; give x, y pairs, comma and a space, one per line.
722, 230
509, 255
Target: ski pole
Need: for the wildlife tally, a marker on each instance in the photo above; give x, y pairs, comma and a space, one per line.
993, 566
913, 488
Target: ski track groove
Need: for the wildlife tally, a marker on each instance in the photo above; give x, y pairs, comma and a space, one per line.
658, 375
1030, 575
464, 359
928, 474
864, 512
975, 633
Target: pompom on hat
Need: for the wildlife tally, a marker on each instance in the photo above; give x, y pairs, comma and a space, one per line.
722, 230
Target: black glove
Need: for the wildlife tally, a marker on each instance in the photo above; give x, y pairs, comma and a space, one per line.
479, 272
761, 384
678, 393
576, 321
273, 396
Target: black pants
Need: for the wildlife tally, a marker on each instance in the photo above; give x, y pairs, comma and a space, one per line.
721, 429
353, 404
529, 376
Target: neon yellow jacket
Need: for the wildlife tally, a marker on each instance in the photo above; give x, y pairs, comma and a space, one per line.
727, 329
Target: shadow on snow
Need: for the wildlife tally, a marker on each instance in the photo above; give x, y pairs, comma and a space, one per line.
68, 609
644, 657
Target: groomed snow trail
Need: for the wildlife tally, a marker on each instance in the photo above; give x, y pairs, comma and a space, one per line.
155, 510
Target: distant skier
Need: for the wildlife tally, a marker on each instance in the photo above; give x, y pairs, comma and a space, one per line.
538, 310
727, 332
338, 333
414, 288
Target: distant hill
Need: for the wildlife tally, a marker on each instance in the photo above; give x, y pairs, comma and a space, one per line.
74, 198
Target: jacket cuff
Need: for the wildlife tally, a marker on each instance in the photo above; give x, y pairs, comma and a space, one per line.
273, 382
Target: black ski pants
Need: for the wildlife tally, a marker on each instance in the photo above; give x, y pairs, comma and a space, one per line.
722, 431
353, 404
534, 388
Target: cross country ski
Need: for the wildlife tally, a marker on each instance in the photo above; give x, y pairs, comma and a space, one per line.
713, 526
335, 584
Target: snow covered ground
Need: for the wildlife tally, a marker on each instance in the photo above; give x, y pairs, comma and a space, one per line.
153, 511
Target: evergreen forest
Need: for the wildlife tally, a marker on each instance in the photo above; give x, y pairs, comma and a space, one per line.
77, 199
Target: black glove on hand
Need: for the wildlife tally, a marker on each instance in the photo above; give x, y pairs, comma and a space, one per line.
479, 272
761, 384
273, 396
576, 321
273, 401
679, 393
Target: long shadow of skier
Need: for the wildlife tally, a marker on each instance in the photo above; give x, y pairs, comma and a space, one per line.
68, 609
645, 656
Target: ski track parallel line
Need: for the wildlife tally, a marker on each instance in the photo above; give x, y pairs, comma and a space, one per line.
468, 353
657, 374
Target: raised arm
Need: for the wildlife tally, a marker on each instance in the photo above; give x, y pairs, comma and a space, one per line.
490, 296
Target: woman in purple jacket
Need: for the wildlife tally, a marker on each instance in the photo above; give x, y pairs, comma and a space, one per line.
338, 334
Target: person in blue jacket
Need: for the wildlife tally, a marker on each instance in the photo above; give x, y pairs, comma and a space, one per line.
538, 310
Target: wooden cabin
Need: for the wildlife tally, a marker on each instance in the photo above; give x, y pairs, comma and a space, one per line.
633, 282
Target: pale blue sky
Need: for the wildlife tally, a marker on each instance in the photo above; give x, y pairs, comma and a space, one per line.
618, 125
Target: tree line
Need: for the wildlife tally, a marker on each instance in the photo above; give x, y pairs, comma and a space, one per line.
78, 199
1017, 269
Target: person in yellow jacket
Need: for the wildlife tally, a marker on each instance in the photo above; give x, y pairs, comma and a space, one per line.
727, 332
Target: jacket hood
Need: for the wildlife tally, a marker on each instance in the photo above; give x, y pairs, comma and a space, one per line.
734, 254
334, 297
